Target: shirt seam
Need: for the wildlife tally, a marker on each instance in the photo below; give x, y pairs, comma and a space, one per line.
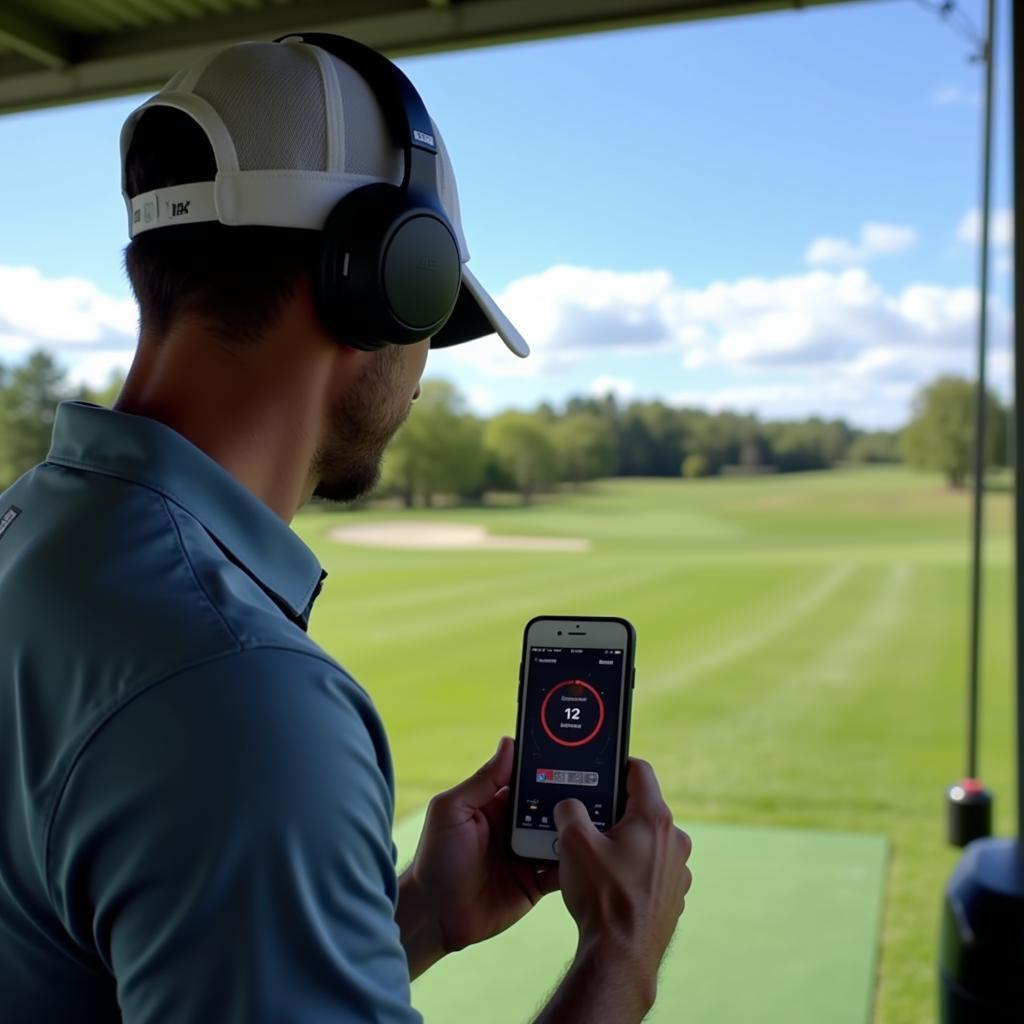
167, 494
117, 708
195, 578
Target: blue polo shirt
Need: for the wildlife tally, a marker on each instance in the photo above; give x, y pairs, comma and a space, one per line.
197, 800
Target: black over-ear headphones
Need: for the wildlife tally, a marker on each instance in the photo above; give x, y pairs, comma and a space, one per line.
390, 270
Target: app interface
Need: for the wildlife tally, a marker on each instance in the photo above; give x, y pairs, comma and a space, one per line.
570, 736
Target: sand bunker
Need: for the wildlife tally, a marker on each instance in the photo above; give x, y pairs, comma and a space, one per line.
448, 536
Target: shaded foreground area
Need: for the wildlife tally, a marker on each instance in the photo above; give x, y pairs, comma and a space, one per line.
802, 643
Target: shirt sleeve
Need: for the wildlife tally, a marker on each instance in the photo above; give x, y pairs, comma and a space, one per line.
223, 844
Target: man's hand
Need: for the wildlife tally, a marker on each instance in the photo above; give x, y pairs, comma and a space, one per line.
464, 885
626, 889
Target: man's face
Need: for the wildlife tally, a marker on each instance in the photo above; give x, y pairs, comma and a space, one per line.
363, 421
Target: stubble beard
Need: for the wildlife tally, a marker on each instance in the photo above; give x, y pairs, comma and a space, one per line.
347, 463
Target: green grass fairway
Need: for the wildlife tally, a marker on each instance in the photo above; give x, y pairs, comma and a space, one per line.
801, 658
783, 927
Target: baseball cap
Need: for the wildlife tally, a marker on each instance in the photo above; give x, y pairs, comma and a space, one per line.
293, 129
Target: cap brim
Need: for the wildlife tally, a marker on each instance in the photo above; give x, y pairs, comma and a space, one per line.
476, 315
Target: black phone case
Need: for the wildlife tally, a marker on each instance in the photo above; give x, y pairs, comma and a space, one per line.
629, 672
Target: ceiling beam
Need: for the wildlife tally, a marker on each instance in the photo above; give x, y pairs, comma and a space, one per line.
31, 39
141, 60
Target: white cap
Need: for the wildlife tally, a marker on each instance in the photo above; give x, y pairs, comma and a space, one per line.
293, 129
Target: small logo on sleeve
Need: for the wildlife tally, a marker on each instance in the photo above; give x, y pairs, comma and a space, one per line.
8, 517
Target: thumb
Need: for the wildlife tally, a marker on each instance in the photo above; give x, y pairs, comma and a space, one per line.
487, 780
571, 813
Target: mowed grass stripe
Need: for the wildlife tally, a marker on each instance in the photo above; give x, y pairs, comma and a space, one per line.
769, 709
455, 581
747, 631
777, 715
583, 587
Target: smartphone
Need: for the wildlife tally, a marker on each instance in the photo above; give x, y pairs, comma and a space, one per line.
572, 725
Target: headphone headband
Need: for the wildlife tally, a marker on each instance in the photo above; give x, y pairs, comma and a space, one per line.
404, 112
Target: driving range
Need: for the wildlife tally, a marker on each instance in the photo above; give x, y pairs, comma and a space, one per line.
800, 678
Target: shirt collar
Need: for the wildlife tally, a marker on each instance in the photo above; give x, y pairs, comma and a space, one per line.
147, 452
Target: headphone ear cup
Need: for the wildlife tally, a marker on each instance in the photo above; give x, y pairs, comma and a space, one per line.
350, 252
388, 274
421, 274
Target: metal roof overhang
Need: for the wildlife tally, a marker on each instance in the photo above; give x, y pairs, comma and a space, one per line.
65, 51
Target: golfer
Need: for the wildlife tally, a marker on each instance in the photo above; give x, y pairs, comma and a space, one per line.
198, 800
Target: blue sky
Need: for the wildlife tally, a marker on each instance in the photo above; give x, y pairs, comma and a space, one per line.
764, 213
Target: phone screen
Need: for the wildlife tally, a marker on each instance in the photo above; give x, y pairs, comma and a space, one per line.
570, 733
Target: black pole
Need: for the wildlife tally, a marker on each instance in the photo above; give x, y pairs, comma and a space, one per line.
977, 524
968, 802
983, 918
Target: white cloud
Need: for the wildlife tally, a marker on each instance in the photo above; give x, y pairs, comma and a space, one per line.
1000, 227
874, 392
835, 339
834, 342
95, 366
823, 320
566, 312
875, 240
88, 332
63, 312
865, 405
621, 387
955, 96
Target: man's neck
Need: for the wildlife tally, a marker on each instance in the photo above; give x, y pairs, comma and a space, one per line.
260, 426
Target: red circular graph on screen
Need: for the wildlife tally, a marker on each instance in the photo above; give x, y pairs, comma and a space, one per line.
579, 707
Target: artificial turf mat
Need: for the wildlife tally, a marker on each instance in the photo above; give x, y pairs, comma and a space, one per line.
781, 927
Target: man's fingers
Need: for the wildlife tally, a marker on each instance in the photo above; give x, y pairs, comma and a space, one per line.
481, 786
642, 788
496, 812
572, 821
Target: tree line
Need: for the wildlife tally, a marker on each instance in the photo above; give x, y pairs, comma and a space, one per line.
444, 450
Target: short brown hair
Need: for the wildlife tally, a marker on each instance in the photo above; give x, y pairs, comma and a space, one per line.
235, 278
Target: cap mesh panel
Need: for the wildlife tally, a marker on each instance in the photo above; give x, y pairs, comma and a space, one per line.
368, 145
270, 97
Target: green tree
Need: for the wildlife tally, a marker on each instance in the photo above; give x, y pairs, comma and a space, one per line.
521, 446
875, 446
585, 447
439, 449
725, 439
650, 439
695, 465
940, 433
28, 402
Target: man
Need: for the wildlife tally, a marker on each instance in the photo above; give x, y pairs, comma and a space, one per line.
198, 800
